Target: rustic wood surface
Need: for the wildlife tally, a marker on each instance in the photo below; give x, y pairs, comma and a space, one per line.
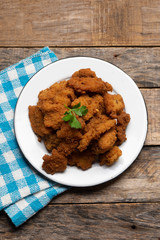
130, 58
125, 33
79, 23
141, 64
89, 221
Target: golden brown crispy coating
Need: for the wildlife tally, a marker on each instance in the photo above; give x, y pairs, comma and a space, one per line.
68, 146
69, 133
94, 104
83, 160
51, 102
96, 120
121, 135
87, 84
51, 141
97, 126
54, 163
69, 138
54, 118
71, 162
87, 72
122, 121
58, 93
85, 80
106, 142
108, 87
114, 104
71, 159
110, 157
37, 123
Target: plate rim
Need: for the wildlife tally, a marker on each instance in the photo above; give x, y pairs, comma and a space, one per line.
47, 176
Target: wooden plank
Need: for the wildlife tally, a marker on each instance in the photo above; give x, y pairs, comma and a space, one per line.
152, 96
152, 99
98, 221
142, 64
79, 23
139, 183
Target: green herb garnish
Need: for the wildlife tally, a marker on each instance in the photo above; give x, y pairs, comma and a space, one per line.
70, 115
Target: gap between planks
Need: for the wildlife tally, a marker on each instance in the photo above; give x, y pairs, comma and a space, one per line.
93, 46
103, 203
141, 64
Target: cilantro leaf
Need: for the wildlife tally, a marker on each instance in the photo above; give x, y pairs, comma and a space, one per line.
78, 111
67, 117
66, 107
83, 110
76, 106
74, 123
70, 115
66, 113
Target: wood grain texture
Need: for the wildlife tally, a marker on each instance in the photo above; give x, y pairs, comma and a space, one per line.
141, 64
74, 219
129, 60
96, 222
79, 23
127, 207
152, 100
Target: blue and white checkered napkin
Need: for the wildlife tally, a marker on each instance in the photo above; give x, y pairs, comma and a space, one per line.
22, 191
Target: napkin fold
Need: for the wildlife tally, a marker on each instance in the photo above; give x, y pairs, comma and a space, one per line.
23, 192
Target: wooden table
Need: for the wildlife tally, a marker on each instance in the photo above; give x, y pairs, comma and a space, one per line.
127, 34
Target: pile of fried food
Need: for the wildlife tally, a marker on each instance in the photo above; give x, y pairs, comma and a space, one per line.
102, 127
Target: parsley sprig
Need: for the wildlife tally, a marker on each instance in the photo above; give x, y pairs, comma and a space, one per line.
70, 115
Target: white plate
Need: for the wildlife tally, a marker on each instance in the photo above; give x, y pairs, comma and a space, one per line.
122, 84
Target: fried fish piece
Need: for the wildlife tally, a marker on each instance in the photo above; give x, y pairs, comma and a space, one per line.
66, 147
122, 121
106, 142
70, 133
70, 137
53, 118
71, 161
58, 93
110, 157
87, 84
97, 126
87, 72
108, 87
51, 141
121, 135
114, 104
51, 102
54, 163
37, 123
86, 80
83, 160
94, 104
